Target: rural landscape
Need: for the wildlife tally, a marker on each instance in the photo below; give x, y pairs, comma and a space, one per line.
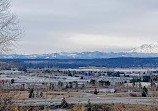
83, 55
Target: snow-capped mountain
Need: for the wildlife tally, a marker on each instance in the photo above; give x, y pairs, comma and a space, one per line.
146, 48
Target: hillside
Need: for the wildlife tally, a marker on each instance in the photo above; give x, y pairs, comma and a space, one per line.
76, 63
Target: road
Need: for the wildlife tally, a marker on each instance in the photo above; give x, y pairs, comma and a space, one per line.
97, 100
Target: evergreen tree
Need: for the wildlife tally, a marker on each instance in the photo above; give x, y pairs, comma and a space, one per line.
83, 85
92, 81
31, 93
95, 91
41, 94
145, 92
67, 86
64, 103
12, 81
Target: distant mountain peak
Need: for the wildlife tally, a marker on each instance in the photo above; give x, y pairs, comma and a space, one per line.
146, 48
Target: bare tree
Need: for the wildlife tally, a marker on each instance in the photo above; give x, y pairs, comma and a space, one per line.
9, 33
9, 29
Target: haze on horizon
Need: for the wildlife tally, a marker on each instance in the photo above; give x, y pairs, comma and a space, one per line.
79, 25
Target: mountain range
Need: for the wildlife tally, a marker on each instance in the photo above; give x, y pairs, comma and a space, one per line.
145, 50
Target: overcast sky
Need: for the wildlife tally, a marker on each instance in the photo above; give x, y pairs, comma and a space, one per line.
85, 25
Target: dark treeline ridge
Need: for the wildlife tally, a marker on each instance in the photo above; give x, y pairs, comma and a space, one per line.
75, 63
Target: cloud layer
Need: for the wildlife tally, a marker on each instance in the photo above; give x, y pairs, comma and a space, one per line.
85, 25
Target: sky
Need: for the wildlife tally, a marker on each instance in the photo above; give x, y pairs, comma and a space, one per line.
85, 25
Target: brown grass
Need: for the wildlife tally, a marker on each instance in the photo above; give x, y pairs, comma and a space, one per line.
116, 107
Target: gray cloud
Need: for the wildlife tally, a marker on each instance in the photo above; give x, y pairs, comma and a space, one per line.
82, 25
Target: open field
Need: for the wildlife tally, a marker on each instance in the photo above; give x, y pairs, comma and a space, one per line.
113, 107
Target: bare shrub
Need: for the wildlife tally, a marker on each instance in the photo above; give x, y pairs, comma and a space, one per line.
133, 95
6, 103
